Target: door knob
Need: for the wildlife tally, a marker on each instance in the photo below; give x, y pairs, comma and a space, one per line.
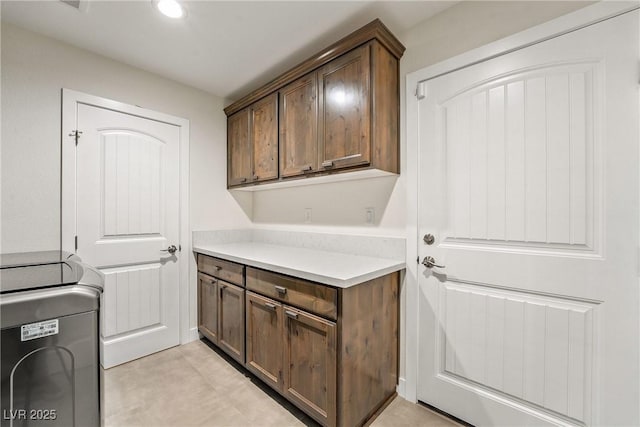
171, 249
430, 262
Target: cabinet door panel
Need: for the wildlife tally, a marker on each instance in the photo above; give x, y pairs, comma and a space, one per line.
208, 307
345, 113
264, 339
298, 120
238, 148
310, 364
231, 320
264, 137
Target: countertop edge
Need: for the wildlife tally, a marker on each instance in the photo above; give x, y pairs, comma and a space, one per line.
291, 271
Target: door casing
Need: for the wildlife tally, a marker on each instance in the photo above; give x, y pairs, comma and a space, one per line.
187, 267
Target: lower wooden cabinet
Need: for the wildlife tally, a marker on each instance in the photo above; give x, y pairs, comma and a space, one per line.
221, 306
231, 320
332, 352
208, 307
264, 339
309, 363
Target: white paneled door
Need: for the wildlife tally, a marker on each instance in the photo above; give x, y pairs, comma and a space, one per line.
128, 212
528, 180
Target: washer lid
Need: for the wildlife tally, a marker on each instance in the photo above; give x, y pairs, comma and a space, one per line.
37, 270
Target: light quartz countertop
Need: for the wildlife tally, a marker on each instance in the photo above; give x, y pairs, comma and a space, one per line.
331, 268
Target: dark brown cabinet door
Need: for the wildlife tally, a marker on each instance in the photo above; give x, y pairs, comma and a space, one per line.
298, 120
310, 364
231, 320
344, 135
264, 339
238, 149
264, 138
208, 307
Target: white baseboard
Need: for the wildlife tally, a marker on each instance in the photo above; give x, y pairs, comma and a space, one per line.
191, 336
402, 387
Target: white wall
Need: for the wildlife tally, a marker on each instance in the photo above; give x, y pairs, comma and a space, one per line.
34, 69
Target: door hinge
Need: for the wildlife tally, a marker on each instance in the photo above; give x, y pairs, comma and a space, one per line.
75, 242
421, 90
76, 134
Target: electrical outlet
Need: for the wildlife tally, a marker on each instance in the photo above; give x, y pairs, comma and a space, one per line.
307, 215
370, 216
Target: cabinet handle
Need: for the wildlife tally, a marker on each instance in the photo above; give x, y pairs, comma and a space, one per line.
222, 288
327, 164
218, 268
270, 306
243, 180
255, 177
291, 314
307, 168
281, 290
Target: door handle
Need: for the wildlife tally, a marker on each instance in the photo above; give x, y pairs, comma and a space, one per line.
430, 262
291, 314
171, 249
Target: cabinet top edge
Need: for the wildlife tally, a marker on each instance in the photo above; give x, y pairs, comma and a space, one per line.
375, 30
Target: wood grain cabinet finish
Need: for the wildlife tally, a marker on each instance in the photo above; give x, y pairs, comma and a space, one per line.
252, 143
221, 304
299, 127
264, 339
333, 352
208, 307
231, 337
264, 138
339, 372
310, 364
337, 111
238, 149
344, 138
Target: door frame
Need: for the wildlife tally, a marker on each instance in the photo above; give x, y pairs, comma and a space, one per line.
68, 200
408, 387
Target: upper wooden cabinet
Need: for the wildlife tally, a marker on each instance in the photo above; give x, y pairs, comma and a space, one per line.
299, 127
252, 143
264, 138
337, 111
238, 149
344, 138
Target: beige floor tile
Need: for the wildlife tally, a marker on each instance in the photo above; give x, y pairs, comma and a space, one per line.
195, 385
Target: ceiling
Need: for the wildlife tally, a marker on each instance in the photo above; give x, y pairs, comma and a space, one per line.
226, 48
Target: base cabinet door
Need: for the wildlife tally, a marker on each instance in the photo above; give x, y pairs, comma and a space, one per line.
231, 320
264, 339
208, 307
310, 364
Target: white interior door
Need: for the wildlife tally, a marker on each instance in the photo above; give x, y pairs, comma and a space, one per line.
528, 179
128, 211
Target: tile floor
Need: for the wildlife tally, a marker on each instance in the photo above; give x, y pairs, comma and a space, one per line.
195, 385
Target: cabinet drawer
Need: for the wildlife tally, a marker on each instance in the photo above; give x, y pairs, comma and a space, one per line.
225, 270
313, 297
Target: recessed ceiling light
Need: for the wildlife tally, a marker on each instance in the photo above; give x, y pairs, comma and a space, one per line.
170, 8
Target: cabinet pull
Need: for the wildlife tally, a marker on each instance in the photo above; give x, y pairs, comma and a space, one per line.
307, 168
281, 290
270, 306
243, 179
327, 164
255, 177
222, 288
218, 268
291, 314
